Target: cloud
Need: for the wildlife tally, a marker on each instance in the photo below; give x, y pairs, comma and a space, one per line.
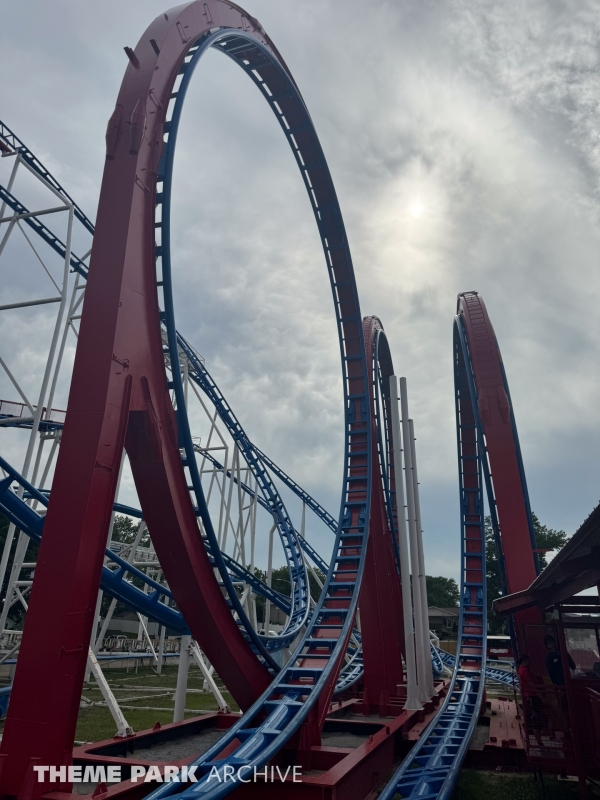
481, 116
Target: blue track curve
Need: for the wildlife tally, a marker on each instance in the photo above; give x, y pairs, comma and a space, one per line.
113, 581
321, 512
499, 675
352, 531
298, 689
293, 543
300, 588
10, 141
115, 584
308, 549
432, 767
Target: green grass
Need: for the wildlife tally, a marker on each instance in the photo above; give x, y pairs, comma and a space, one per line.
95, 723
476, 784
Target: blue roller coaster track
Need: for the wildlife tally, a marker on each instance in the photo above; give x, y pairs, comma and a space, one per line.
431, 769
300, 591
301, 690
32, 523
317, 659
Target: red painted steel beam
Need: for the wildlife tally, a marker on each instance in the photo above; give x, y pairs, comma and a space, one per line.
382, 626
380, 597
502, 448
118, 397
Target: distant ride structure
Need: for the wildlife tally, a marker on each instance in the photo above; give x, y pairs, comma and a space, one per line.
365, 641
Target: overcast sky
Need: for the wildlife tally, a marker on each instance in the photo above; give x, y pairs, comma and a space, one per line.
463, 140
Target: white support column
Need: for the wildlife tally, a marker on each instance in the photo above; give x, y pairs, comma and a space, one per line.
310, 567
252, 513
146, 636
11, 180
161, 650
227, 520
113, 603
269, 580
182, 678
412, 696
421, 555
37, 415
223, 502
97, 618
423, 656
123, 727
208, 678
19, 557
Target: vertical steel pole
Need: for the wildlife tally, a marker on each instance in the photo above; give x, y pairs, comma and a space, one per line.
252, 512
182, 678
228, 509
412, 694
10, 535
75, 300
240, 522
113, 603
269, 580
421, 555
22, 547
414, 555
222, 504
11, 180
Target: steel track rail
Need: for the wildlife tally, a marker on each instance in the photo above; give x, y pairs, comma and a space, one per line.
42, 230
300, 588
493, 674
115, 583
10, 142
431, 769
321, 512
290, 537
237, 569
331, 625
305, 686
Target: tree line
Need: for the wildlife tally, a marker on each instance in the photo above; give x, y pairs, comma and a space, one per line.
441, 591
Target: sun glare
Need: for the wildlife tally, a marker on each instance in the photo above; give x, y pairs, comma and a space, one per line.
416, 209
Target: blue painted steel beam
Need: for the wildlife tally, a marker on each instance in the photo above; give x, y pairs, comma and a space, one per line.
197, 372
14, 144
308, 549
45, 233
113, 581
286, 704
504, 676
318, 509
432, 767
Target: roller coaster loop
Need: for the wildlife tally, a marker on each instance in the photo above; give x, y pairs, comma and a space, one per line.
120, 397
